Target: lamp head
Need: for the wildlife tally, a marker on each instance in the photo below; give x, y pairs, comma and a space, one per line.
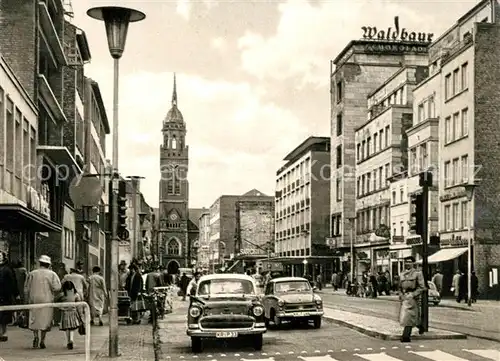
116, 20
304, 261
469, 191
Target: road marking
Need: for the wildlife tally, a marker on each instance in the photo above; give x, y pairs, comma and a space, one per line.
343, 350
382, 348
317, 351
290, 352
329, 351
258, 359
356, 349
489, 354
236, 354
394, 347
437, 355
369, 349
382, 356
407, 346
317, 358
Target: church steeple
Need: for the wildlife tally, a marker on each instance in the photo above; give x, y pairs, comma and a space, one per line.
174, 94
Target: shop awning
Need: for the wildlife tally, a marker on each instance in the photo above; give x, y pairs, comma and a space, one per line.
16, 217
446, 254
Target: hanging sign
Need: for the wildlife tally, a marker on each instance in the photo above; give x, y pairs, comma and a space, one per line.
395, 34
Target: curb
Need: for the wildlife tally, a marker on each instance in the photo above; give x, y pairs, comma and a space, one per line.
392, 337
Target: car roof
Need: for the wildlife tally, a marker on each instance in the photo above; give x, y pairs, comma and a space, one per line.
288, 279
226, 276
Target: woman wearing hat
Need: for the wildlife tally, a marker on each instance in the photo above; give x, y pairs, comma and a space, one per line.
40, 287
411, 286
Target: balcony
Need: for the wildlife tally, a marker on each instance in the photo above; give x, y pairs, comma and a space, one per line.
61, 156
49, 33
50, 99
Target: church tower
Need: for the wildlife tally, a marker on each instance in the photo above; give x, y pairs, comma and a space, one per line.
174, 190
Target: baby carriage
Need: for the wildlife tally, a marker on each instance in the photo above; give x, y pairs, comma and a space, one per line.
124, 307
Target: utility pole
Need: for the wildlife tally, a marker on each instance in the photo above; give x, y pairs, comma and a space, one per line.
425, 181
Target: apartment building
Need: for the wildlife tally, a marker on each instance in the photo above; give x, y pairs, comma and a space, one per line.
302, 220
381, 151
203, 259
360, 69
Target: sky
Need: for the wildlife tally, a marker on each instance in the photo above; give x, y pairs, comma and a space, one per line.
252, 80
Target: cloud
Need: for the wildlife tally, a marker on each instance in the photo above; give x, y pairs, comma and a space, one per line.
236, 138
183, 8
308, 35
218, 43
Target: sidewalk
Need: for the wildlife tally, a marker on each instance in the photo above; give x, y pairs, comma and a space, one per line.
135, 341
447, 303
383, 328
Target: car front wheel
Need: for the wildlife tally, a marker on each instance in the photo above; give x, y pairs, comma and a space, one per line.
317, 322
257, 342
196, 345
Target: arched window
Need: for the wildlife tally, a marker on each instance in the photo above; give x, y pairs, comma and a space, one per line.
174, 143
173, 247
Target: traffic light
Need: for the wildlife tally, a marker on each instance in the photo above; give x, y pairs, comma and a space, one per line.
123, 233
416, 213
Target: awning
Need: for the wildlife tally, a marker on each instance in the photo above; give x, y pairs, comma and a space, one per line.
16, 217
445, 254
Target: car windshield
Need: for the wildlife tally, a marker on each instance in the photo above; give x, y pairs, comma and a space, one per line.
292, 286
225, 286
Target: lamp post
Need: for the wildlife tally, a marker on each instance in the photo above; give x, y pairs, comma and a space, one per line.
116, 21
304, 262
469, 191
352, 222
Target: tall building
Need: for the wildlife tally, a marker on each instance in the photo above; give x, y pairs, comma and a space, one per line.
174, 190
302, 211
360, 69
203, 259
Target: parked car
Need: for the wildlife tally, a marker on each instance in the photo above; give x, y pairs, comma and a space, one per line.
434, 295
225, 306
291, 299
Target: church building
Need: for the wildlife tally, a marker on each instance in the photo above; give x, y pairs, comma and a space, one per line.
175, 227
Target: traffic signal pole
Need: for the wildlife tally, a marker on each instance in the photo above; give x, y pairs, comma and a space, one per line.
425, 181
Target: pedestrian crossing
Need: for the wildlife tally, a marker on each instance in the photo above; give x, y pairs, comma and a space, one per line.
386, 355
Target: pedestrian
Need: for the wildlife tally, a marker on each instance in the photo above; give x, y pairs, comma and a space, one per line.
455, 284
191, 288
474, 283
411, 286
134, 287
122, 274
153, 279
334, 281
373, 285
78, 280
462, 288
41, 286
97, 295
319, 281
437, 279
20, 274
60, 269
8, 294
71, 319
183, 284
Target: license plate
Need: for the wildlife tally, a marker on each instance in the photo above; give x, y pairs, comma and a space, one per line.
301, 313
226, 334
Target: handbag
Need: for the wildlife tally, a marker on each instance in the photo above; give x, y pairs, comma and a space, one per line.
81, 330
138, 305
23, 319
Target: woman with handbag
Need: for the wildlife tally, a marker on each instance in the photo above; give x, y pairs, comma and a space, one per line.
134, 286
71, 318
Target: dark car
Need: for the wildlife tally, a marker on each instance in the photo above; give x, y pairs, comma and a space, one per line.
226, 306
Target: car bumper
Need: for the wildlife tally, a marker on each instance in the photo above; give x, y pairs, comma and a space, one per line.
299, 314
195, 331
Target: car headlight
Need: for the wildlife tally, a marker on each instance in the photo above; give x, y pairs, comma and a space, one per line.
194, 312
318, 300
281, 303
258, 311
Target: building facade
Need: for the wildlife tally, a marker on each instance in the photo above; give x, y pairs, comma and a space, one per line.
203, 259
174, 190
302, 223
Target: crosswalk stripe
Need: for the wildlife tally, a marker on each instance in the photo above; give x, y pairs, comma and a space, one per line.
382, 356
437, 355
489, 354
318, 358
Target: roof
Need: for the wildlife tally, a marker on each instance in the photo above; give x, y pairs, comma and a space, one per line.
307, 145
195, 214
254, 193
226, 276
288, 279
174, 115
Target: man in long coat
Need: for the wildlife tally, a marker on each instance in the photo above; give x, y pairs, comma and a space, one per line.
40, 287
411, 286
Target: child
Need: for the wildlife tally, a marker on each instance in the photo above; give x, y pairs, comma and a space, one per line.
70, 318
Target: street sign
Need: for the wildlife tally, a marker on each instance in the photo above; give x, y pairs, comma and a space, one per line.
85, 191
124, 235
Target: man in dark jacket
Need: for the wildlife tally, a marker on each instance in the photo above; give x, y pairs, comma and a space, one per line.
134, 286
183, 284
8, 294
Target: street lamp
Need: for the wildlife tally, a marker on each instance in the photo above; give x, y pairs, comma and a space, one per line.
116, 21
352, 222
304, 262
469, 192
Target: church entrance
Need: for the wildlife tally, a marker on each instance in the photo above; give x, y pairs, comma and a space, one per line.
173, 267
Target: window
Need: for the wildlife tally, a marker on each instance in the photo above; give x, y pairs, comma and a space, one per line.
380, 177
413, 160
447, 218
174, 142
363, 149
447, 174
456, 172
10, 136
69, 243
432, 108
173, 247
456, 82
339, 189
423, 157
339, 92
401, 195
448, 130
421, 114
381, 139
363, 186
456, 216
465, 215
358, 187
402, 227
457, 126
387, 172
368, 146
339, 156
375, 142
387, 136
465, 122
26, 153
340, 125
359, 151
375, 181
465, 169
177, 181
447, 86
464, 76
394, 200
368, 181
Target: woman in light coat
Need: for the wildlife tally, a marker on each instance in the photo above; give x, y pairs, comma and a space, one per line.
97, 294
41, 286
